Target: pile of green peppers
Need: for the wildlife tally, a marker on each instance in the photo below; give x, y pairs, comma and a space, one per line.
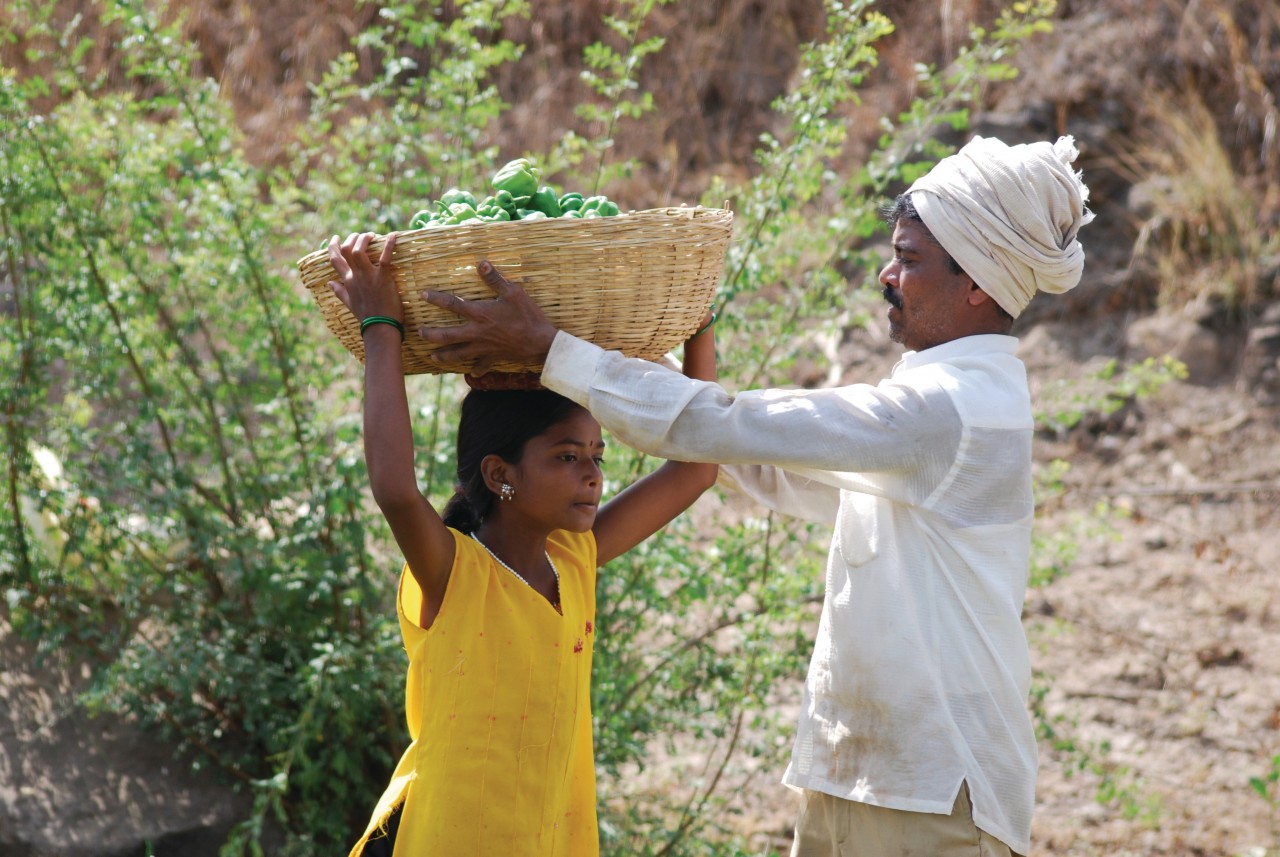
518, 195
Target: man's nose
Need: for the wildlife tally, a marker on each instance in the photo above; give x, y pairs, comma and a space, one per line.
888, 273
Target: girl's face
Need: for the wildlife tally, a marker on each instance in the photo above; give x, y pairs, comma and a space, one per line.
558, 481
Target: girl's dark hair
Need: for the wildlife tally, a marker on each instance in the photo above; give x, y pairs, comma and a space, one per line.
496, 422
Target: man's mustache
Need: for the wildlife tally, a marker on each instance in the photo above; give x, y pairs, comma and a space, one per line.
892, 297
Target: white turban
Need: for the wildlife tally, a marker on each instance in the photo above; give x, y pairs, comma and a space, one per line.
1009, 216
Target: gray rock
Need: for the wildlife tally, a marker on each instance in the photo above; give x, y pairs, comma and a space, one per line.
72, 785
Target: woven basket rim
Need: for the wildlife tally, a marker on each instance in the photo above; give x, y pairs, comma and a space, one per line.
702, 213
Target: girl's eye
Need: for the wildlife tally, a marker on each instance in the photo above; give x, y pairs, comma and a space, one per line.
598, 459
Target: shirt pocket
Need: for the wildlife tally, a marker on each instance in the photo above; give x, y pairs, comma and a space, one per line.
857, 528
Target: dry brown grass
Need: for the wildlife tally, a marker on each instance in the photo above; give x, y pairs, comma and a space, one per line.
1202, 223
1203, 154
1231, 56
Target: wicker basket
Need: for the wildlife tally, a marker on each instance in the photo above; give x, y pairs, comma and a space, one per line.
638, 283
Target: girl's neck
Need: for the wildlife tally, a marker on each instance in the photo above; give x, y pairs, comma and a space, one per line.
519, 547
524, 553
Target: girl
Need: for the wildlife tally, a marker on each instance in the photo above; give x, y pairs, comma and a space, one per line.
497, 599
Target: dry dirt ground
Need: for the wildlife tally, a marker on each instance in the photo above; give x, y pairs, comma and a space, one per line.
1164, 640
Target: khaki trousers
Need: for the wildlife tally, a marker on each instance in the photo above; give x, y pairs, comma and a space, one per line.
834, 827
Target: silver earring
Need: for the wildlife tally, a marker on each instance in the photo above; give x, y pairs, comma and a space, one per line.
506, 492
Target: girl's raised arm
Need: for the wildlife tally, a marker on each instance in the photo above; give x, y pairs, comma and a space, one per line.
369, 291
649, 504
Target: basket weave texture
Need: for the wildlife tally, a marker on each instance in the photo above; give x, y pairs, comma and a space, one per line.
639, 283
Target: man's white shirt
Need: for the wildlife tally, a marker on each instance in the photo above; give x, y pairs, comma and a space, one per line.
920, 671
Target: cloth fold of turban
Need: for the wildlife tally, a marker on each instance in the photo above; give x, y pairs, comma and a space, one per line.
1008, 215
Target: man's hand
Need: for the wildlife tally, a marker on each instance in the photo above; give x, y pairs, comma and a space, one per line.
509, 327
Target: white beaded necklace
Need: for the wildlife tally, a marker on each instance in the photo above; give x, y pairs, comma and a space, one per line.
519, 576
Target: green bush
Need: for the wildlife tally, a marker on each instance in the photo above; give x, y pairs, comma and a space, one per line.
185, 497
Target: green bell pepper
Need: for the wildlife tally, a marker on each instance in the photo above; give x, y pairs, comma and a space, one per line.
601, 205
492, 211
460, 212
454, 195
520, 177
544, 199
504, 200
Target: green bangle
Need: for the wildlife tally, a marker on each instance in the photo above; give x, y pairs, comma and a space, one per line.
703, 329
382, 319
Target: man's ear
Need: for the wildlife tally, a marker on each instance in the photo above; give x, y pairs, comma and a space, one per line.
989, 310
976, 296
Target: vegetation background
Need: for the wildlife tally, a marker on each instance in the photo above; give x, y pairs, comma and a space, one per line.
199, 653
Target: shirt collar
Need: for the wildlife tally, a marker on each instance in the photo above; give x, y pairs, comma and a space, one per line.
965, 346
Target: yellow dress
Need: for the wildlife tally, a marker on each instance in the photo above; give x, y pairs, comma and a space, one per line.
498, 702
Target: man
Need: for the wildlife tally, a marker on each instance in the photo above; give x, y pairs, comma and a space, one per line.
914, 736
